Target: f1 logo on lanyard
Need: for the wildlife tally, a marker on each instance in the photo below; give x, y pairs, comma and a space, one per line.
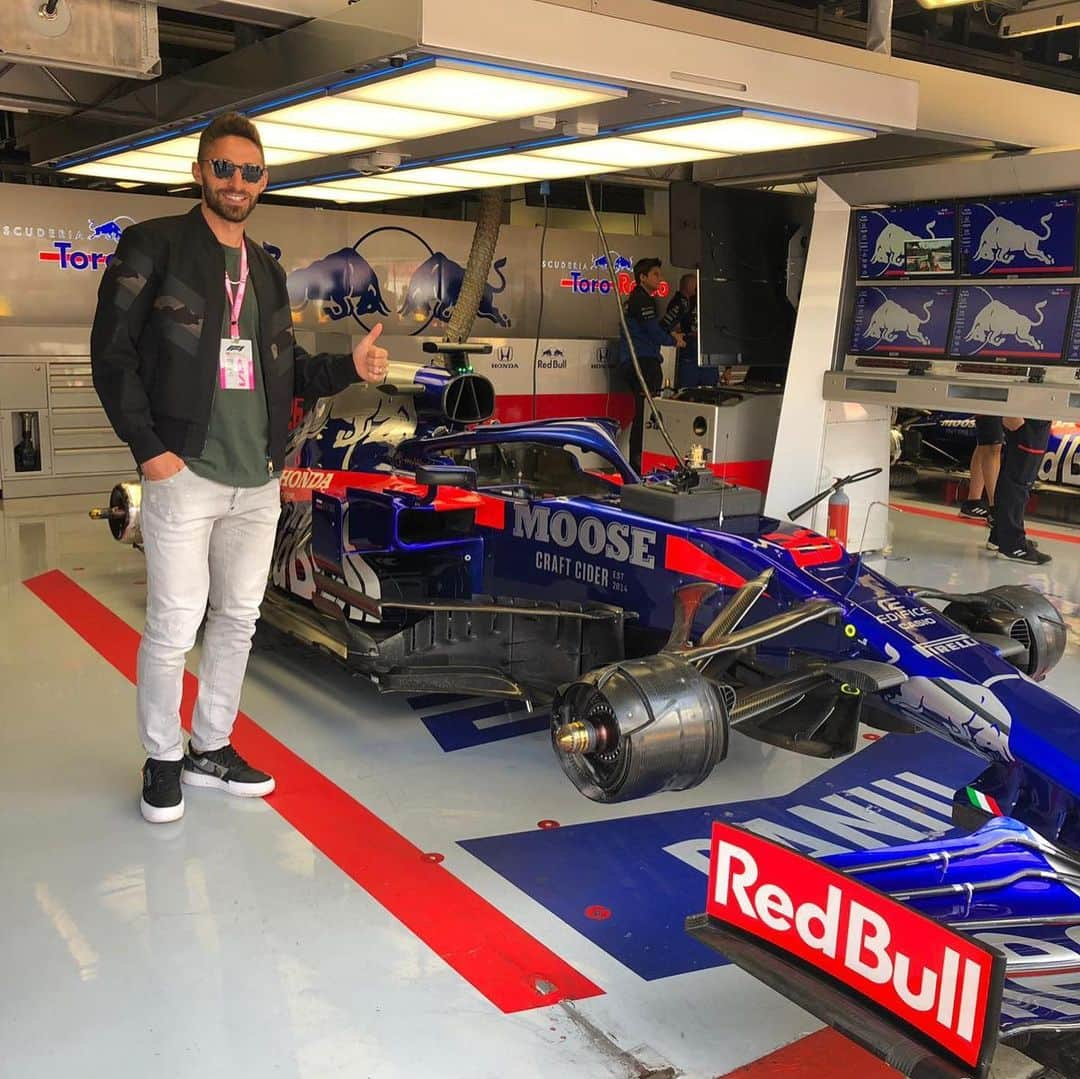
236, 361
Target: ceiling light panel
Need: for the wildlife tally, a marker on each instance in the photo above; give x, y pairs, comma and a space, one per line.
342, 114
318, 141
129, 172
470, 92
751, 133
459, 178
623, 153
534, 168
329, 194
388, 185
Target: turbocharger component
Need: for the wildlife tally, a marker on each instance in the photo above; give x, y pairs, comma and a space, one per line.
638, 727
123, 513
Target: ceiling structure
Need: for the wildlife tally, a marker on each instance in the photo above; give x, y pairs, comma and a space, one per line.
388, 99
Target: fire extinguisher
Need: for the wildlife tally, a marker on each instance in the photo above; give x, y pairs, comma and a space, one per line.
839, 505
839, 515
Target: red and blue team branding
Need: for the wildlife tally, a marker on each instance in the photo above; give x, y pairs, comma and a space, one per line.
942, 984
68, 257
585, 283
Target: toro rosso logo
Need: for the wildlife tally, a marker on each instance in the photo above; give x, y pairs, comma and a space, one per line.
585, 283
412, 286
68, 257
938, 981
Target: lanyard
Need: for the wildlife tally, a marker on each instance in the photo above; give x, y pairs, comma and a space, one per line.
236, 300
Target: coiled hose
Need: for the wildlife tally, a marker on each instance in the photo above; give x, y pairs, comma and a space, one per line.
485, 239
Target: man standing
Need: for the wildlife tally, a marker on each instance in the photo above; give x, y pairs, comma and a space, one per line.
196, 365
1025, 446
648, 336
682, 315
985, 468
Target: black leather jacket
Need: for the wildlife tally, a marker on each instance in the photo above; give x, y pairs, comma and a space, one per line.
156, 339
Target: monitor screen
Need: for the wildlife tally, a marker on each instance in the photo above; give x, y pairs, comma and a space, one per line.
893, 240
1003, 237
902, 320
1011, 321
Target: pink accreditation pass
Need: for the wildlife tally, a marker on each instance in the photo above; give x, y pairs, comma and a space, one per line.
236, 366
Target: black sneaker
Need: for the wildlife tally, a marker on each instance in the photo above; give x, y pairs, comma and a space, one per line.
1030, 554
225, 768
974, 507
162, 799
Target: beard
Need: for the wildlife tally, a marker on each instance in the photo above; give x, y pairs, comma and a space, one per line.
230, 211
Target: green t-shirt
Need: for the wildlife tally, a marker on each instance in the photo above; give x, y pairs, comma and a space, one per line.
238, 438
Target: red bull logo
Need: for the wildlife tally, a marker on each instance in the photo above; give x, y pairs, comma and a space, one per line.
392, 274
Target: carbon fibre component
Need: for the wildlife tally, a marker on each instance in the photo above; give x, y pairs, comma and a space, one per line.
656, 724
1021, 614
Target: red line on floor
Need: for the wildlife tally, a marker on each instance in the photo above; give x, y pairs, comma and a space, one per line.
955, 518
824, 1055
482, 944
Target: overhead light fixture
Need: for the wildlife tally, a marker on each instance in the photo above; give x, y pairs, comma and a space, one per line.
1040, 18
328, 193
430, 96
460, 179
389, 185
392, 123
526, 166
490, 92
128, 172
318, 141
622, 153
930, 5
752, 131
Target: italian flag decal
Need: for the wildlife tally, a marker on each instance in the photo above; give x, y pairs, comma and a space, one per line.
984, 802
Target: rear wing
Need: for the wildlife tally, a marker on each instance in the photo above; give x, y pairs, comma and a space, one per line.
923, 997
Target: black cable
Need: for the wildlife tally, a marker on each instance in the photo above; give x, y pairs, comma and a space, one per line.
48, 9
540, 313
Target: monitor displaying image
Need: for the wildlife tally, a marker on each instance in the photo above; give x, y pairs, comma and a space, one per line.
928, 258
1011, 321
883, 236
1023, 236
901, 320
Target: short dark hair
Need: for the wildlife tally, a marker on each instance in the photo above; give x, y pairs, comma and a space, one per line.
643, 266
229, 123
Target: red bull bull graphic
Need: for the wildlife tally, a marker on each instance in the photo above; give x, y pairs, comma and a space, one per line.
1009, 237
67, 256
901, 320
414, 285
887, 239
111, 230
1023, 321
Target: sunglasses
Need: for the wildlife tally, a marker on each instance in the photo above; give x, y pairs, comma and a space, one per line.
224, 170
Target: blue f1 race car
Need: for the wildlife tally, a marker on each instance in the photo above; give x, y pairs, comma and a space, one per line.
430, 549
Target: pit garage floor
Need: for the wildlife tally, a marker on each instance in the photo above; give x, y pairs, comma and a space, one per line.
397, 908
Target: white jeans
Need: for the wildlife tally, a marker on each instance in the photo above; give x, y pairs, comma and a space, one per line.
203, 542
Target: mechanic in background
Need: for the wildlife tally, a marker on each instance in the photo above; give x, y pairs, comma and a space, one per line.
1025, 445
681, 315
196, 365
648, 336
985, 468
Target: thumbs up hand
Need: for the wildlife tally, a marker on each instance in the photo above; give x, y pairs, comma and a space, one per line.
370, 359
